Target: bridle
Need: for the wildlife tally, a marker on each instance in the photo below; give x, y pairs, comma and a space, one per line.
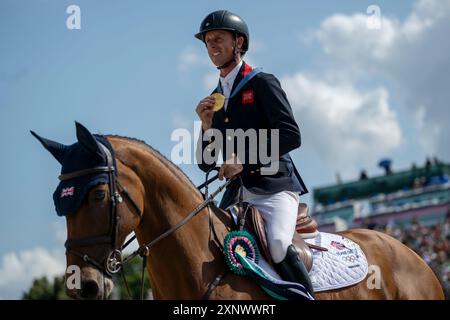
113, 263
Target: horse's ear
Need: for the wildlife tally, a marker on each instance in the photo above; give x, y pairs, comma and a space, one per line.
88, 141
55, 148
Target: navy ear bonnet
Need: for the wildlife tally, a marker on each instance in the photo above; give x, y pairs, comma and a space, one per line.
84, 154
69, 194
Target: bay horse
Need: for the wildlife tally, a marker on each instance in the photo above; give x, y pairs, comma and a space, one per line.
182, 266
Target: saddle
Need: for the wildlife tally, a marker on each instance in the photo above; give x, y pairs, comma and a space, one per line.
306, 228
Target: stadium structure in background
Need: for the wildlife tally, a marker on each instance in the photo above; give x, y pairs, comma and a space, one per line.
419, 194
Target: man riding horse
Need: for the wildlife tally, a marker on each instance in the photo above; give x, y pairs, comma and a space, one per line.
253, 100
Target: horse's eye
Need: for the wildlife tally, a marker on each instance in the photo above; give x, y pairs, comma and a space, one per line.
99, 194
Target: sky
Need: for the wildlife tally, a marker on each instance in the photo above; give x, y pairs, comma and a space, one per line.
360, 92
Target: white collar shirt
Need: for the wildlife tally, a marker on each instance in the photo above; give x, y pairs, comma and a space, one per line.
228, 81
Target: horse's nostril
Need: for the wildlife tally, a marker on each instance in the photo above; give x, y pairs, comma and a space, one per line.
89, 290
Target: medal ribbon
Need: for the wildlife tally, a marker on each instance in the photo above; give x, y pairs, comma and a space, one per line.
242, 83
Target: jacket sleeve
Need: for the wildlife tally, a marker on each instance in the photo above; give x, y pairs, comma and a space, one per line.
204, 147
274, 103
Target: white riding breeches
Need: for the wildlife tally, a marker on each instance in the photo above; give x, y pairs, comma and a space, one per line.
279, 211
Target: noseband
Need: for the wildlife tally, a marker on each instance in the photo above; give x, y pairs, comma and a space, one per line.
113, 262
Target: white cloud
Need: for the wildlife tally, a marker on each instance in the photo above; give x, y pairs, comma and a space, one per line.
413, 55
257, 46
429, 139
60, 230
17, 270
345, 126
181, 121
192, 58
210, 80
343, 37
191, 62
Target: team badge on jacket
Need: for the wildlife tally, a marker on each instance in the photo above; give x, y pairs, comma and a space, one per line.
248, 96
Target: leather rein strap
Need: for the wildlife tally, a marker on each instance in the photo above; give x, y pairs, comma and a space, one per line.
145, 248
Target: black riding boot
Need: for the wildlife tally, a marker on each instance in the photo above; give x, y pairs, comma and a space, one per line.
292, 269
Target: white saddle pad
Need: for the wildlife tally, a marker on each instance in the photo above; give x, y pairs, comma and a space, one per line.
343, 265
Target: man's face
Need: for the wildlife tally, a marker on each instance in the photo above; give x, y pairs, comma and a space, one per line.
220, 45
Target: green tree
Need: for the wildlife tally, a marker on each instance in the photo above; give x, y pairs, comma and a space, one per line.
43, 289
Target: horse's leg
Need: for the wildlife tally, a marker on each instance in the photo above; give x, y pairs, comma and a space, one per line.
403, 274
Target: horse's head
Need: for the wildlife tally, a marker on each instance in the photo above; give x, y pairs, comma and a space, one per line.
98, 198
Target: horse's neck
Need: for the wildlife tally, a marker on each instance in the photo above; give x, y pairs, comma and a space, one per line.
181, 265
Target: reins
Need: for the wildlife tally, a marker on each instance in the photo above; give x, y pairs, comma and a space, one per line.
144, 250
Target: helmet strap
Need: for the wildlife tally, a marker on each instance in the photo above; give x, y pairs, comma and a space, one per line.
235, 55
227, 64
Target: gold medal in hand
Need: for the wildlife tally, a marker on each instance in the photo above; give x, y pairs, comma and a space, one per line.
220, 101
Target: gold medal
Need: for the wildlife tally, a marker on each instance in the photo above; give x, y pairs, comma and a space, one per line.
220, 100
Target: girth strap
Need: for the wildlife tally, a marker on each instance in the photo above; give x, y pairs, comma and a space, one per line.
214, 285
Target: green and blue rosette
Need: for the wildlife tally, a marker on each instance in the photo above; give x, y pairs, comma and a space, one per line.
243, 244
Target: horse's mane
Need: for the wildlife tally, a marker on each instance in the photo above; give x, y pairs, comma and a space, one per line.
169, 164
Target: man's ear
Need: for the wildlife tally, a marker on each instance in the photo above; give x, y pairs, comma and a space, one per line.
240, 42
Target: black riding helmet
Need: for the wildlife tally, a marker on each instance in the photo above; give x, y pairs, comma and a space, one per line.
224, 20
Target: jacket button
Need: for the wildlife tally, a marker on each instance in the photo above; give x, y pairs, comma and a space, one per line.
252, 172
226, 120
